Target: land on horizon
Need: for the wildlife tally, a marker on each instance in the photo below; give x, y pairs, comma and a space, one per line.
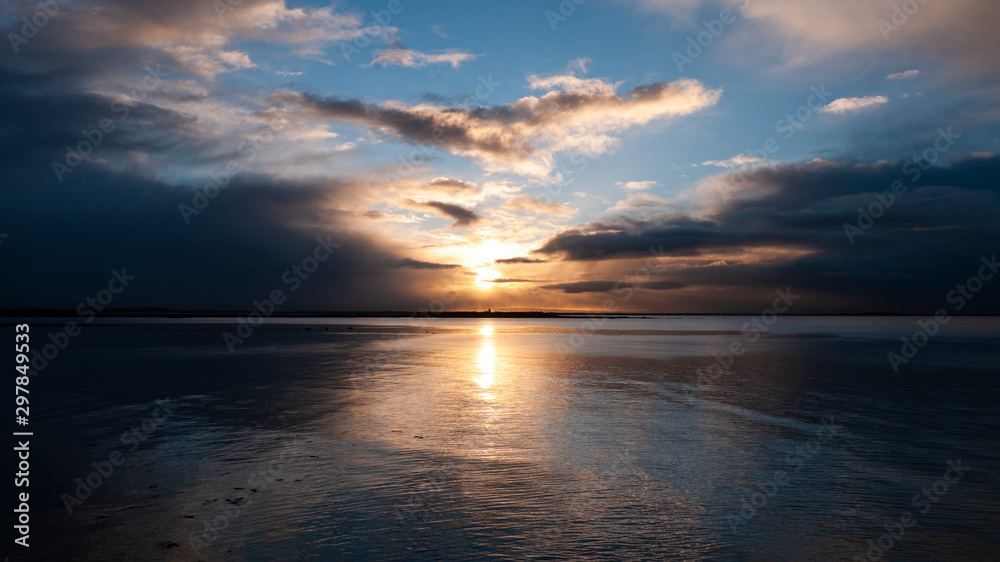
177, 313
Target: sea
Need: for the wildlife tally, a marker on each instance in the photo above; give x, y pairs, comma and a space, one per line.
635, 438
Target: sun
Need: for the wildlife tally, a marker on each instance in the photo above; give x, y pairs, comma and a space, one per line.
480, 256
485, 278
487, 251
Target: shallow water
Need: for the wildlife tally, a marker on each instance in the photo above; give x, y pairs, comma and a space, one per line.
511, 439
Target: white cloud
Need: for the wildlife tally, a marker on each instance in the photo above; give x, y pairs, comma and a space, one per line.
288, 73
207, 63
416, 59
635, 185
640, 205
570, 83
523, 136
578, 65
903, 75
846, 105
734, 162
312, 132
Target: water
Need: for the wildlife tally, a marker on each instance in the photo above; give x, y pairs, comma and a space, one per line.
485, 439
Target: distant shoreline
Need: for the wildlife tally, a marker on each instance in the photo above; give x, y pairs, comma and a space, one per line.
168, 313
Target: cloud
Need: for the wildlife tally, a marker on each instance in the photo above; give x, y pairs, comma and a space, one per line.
416, 264
452, 187
662, 285
111, 220
191, 36
462, 216
509, 261
535, 205
438, 29
570, 83
847, 105
582, 287
376, 215
415, 59
521, 137
608, 286
288, 73
578, 65
207, 64
117, 209
906, 75
815, 27
805, 32
734, 162
635, 185
638, 203
791, 232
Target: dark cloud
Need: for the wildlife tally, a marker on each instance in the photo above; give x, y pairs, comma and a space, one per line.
783, 225
519, 260
582, 287
190, 36
678, 237
462, 216
65, 238
930, 237
453, 128
451, 186
416, 264
662, 285
121, 220
608, 286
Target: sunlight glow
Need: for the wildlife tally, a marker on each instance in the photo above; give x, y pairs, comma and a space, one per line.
482, 255
491, 250
487, 364
486, 330
486, 277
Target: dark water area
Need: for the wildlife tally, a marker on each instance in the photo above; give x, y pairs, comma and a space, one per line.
517, 439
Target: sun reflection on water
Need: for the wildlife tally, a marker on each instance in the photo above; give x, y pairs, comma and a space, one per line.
487, 362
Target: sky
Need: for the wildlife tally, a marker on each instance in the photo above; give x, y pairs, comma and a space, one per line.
680, 156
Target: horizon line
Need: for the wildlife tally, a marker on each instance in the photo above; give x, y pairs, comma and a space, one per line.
163, 312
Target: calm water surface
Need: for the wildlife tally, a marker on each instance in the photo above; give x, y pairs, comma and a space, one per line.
484, 439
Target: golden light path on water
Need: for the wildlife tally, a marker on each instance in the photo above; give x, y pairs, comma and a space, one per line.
487, 362
479, 439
